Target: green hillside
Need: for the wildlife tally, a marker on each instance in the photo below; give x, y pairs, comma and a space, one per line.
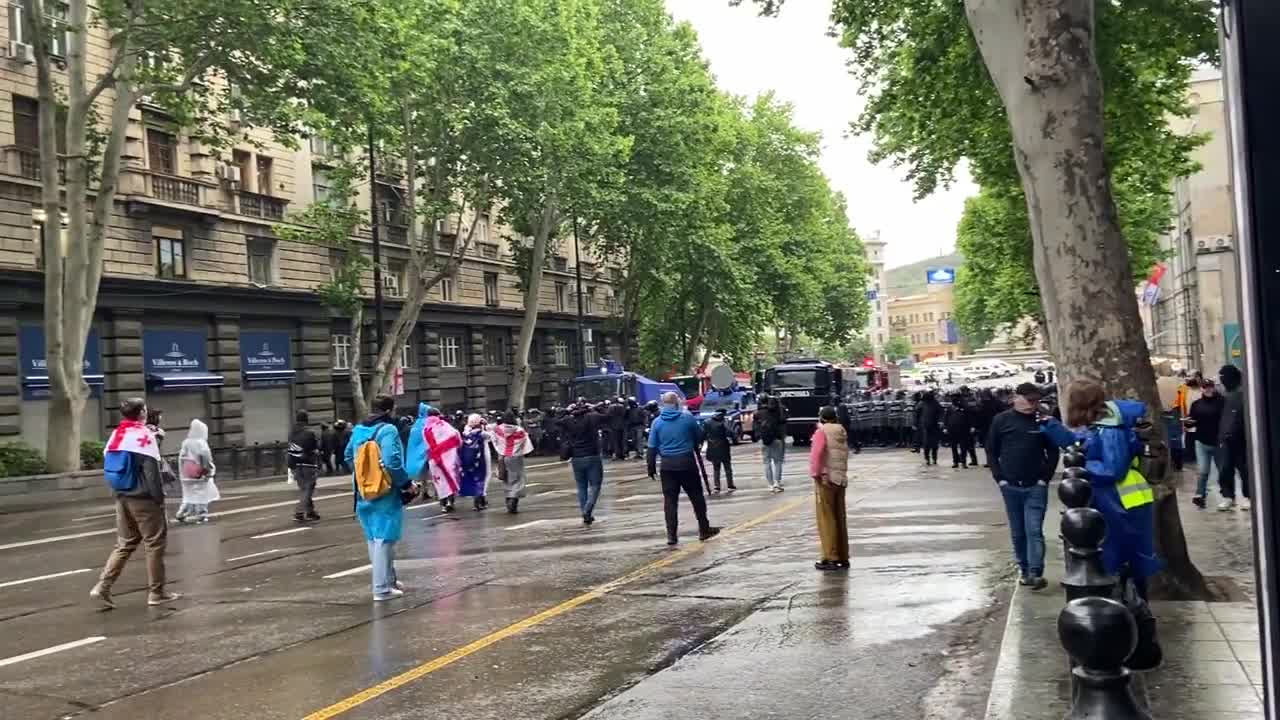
910, 279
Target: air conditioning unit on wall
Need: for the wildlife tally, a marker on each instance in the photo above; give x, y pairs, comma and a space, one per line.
21, 52
229, 173
1213, 244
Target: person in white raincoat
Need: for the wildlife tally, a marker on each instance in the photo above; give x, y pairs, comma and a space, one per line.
196, 470
512, 443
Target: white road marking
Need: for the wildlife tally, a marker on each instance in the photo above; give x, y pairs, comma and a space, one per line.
112, 531
51, 650
279, 532
525, 525
633, 498
253, 555
529, 485
38, 578
87, 518
352, 571
555, 492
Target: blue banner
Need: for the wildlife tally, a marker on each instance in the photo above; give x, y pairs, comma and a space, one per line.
948, 332
177, 359
35, 370
940, 276
266, 358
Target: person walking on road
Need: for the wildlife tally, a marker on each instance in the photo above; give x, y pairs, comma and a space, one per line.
718, 447
1023, 460
375, 450
328, 443
929, 417
829, 468
131, 465
1231, 440
342, 436
1203, 422
434, 446
512, 443
304, 461
581, 433
674, 437
771, 425
636, 421
474, 458
195, 470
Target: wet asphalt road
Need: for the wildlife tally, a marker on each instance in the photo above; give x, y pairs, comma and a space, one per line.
525, 616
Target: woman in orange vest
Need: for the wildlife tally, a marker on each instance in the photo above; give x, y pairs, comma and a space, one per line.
829, 468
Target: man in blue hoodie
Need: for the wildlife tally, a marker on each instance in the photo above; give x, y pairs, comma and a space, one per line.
383, 517
674, 436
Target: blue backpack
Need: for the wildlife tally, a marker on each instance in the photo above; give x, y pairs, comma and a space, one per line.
117, 467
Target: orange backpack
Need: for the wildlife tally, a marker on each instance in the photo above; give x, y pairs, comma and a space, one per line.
372, 480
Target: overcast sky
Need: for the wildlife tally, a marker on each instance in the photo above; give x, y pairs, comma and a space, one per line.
792, 55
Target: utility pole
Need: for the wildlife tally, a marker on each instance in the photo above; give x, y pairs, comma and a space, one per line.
582, 333
377, 244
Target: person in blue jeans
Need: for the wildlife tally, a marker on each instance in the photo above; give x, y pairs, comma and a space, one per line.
1202, 423
1023, 460
382, 518
581, 432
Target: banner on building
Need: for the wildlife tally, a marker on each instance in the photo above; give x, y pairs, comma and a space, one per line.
948, 332
940, 276
266, 359
177, 360
35, 368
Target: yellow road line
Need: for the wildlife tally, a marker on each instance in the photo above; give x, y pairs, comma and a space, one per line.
599, 591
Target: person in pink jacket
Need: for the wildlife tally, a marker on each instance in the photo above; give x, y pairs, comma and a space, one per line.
829, 468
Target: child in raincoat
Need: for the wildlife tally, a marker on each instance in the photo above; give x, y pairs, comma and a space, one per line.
196, 470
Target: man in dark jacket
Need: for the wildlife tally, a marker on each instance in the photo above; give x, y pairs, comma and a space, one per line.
675, 437
1202, 422
618, 428
1231, 440
304, 454
959, 432
580, 430
636, 421
328, 446
718, 449
1022, 462
343, 430
928, 420
140, 518
771, 428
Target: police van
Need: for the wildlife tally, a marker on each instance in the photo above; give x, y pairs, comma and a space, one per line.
803, 386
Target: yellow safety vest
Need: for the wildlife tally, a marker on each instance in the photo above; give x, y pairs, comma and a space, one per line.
1134, 490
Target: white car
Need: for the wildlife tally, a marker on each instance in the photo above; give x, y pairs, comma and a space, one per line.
982, 370
1034, 365
1002, 368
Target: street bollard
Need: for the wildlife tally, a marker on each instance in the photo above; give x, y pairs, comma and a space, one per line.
1099, 634
1082, 531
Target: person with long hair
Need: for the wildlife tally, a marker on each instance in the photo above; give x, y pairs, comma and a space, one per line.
829, 468
1107, 429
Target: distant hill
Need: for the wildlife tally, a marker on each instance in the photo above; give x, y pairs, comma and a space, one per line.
910, 279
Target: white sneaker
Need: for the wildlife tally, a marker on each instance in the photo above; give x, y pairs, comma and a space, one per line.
1227, 505
392, 594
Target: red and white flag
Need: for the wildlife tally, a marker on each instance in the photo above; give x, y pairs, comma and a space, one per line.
512, 440
133, 436
443, 442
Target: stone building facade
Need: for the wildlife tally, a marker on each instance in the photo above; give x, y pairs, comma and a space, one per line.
209, 314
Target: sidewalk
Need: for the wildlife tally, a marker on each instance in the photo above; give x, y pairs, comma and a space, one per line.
1212, 662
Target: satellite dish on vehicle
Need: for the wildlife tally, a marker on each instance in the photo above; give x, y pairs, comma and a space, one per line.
722, 377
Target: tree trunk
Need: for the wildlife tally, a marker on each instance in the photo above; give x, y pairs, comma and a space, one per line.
1040, 54
357, 384
695, 336
520, 378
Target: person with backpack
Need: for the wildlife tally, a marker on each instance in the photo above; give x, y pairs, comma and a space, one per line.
195, 470
380, 481
304, 461
771, 426
131, 467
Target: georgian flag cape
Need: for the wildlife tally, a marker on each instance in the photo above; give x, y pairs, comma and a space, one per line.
510, 440
133, 436
442, 442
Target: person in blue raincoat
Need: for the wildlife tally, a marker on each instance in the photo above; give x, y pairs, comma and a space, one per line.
382, 518
1126, 501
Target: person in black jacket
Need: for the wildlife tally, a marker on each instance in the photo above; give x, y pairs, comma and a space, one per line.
718, 446
928, 418
1023, 460
636, 421
581, 432
618, 428
304, 461
1231, 440
328, 446
343, 432
1202, 423
959, 432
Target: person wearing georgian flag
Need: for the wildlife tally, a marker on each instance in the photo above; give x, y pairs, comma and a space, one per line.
132, 456
433, 448
512, 443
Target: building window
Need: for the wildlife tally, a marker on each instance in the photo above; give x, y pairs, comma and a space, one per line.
260, 260
491, 289
26, 121
321, 185
482, 230
406, 353
341, 352
323, 147
393, 279
589, 353
449, 348
495, 350
55, 15
589, 301
560, 351
562, 297
264, 175
337, 260
244, 161
880, 338
171, 252
446, 289
162, 151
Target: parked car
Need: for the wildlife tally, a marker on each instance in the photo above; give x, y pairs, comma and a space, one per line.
1002, 368
1034, 365
981, 370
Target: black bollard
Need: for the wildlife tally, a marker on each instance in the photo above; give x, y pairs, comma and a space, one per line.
1083, 530
1099, 634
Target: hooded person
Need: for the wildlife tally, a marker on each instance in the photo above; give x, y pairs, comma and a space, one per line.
304, 462
381, 517
675, 437
512, 443
195, 470
433, 447
719, 439
474, 458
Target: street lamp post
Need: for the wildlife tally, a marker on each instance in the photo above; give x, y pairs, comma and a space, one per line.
377, 244
582, 333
